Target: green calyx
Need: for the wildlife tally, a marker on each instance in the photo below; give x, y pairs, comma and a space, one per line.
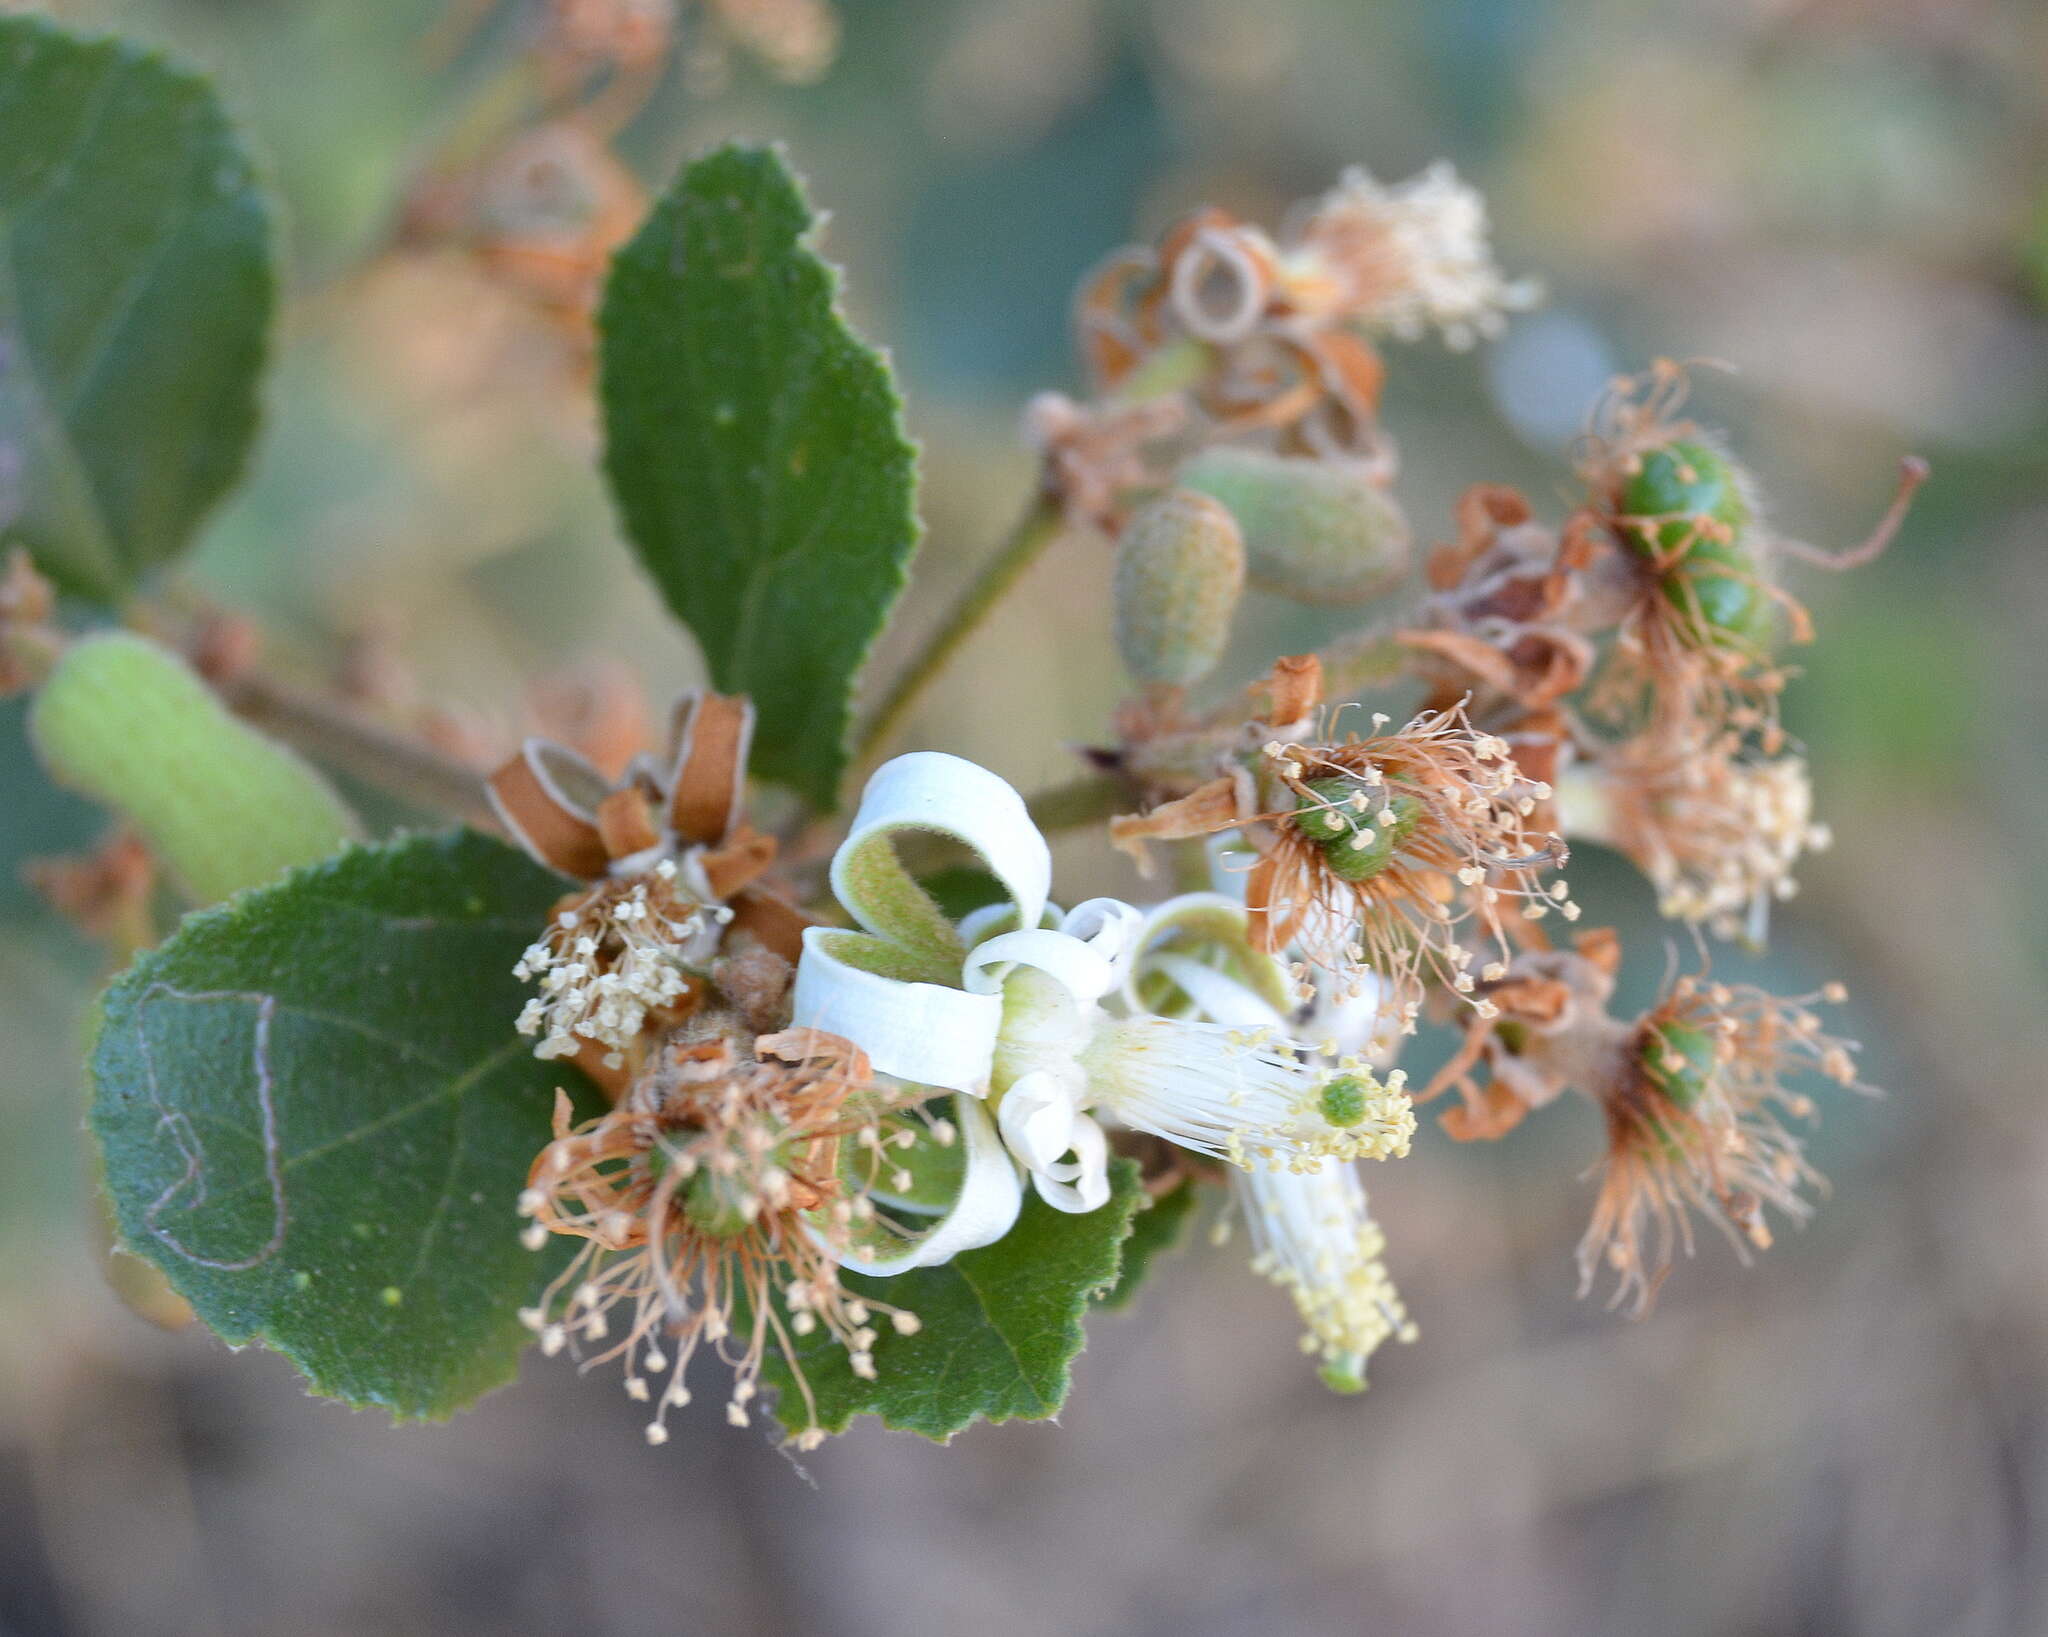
1689, 507
1678, 1059
1358, 842
1342, 1378
1343, 1101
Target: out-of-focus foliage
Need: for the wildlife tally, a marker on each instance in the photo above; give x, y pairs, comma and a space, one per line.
134, 309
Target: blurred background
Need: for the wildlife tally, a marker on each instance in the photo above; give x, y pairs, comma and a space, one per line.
1844, 199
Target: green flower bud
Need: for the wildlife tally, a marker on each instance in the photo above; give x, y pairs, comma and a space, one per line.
1357, 842
1179, 574
1700, 498
1679, 1061
129, 723
1315, 530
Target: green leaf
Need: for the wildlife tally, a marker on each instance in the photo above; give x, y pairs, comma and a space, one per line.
135, 293
999, 1327
1157, 1229
756, 449
316, 1117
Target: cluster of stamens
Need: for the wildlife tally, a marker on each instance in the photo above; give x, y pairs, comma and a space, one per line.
715, 1203
1394, 844
613, 956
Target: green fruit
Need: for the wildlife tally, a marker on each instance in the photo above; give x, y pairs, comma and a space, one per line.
1179, 575
1314, 530
1327, 818
1678, 1060
1685, 484
130, 724
1730, 607
716, 1205
1698, 497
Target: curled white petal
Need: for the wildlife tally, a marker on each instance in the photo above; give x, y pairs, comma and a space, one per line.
990, 1196
1036, 1117
929, 790
1081, 1184
1109, 926
921, 1032
1077, 967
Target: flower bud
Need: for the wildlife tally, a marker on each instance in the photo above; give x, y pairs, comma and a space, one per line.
1179, 574
128, 723
1316, 530
1690, 503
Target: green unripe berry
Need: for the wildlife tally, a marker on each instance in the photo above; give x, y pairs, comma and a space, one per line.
1686, 485
1699, 499
1678, 1060
1326, 815
1357, 844
1343, 1101
1733, 606
1179, 575
1319, 531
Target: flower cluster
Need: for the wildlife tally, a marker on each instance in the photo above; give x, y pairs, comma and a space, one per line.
879, 1087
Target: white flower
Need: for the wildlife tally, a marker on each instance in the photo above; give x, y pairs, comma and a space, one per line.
1310, 1230
1044, 1014
1413, 256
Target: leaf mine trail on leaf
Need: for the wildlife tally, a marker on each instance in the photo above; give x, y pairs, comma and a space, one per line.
179, 1126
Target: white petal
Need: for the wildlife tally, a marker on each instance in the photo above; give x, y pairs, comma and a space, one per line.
1218, 923
929, 790
1082, 1183
990, 1197
1217, 997
1036, 1117
1079, 968
921, 1032
1109, 926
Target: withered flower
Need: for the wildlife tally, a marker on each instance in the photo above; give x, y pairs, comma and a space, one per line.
1379, 854
716, 1203
1549, 1031
1280, 333
1693, 1123
1717, 831
1504, 622
674, 871
1691, 1092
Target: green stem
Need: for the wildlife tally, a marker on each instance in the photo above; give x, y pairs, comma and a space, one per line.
1039, 527
331, 732
1094, 798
